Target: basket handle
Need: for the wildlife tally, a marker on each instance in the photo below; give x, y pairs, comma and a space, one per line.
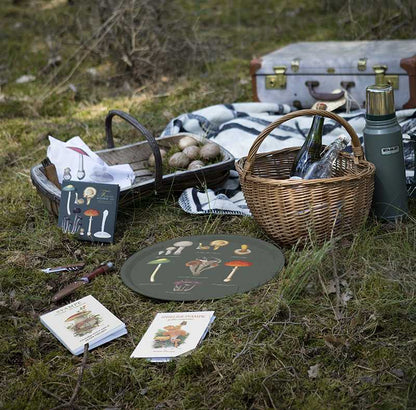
144, 131
355, 142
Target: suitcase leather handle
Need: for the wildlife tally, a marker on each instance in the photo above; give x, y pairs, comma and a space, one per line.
145, 132
322, 96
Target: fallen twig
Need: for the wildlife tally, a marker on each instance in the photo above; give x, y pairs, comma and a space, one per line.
70, 403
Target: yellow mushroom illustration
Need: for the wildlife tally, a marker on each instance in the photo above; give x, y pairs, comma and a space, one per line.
218, 243
243, 250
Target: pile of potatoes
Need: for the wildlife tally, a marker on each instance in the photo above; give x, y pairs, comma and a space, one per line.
191, 156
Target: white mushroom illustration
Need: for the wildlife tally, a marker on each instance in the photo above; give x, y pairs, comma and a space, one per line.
103, 234
69, 189
159, 263
169, 250
181, 246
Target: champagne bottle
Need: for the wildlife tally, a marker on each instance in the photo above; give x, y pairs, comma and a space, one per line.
310, 151
323, 167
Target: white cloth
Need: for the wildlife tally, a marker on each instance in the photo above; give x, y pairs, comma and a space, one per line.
63, 156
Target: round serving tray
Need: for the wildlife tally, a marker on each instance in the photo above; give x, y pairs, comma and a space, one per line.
202, 267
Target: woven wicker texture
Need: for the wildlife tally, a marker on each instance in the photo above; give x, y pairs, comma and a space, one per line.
292, 211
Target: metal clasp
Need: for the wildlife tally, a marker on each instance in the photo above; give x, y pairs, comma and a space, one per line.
295, 65
278, 80
382, 78
362, 64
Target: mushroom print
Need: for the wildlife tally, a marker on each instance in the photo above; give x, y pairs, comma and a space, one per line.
67, 174
201, 246
83, 322
100, 175
199, 265
76, 211
102, 234
90, 213
243, 250
159, 263
218, 243
89, 193
169, 250
235, 264
181, 246
81, 152
69, 189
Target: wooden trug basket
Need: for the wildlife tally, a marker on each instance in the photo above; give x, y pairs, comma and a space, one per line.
292, 211
147, 181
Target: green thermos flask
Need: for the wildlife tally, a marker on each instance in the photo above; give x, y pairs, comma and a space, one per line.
384, 148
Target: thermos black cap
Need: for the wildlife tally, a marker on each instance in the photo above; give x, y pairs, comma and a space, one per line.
380, 102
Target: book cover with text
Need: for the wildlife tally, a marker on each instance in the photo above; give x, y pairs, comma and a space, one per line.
173, 334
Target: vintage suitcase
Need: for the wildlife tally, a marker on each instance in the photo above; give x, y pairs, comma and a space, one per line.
302, 73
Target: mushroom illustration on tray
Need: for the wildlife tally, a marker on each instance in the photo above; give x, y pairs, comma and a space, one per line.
202, 247
235, 264
90, 213
102, 234
199, 265
167, 251
81, 171
181, 246
69, 189
243, 250
218, 244
89, 193
159, 263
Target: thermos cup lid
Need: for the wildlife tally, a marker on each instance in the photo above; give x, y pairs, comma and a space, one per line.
380, 102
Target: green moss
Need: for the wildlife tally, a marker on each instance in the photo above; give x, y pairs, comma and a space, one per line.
262, 344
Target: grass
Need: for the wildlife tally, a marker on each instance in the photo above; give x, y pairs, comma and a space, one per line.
356, 323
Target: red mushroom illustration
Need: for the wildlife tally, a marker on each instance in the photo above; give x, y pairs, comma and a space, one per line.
91, 213
235, 264
81, 152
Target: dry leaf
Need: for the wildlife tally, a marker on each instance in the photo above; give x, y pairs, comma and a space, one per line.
25, 79
346, 296
331, 288
313, 371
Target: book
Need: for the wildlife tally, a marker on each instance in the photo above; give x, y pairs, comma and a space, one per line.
83, 321
88, 210
172, 335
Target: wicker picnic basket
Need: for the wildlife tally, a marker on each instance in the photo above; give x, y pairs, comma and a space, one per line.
147, 180
296, 211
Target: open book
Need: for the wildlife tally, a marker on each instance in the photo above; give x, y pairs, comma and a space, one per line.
173, 334
83, 321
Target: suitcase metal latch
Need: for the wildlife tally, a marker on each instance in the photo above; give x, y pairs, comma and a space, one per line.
382, 78
362, 64
278, 80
